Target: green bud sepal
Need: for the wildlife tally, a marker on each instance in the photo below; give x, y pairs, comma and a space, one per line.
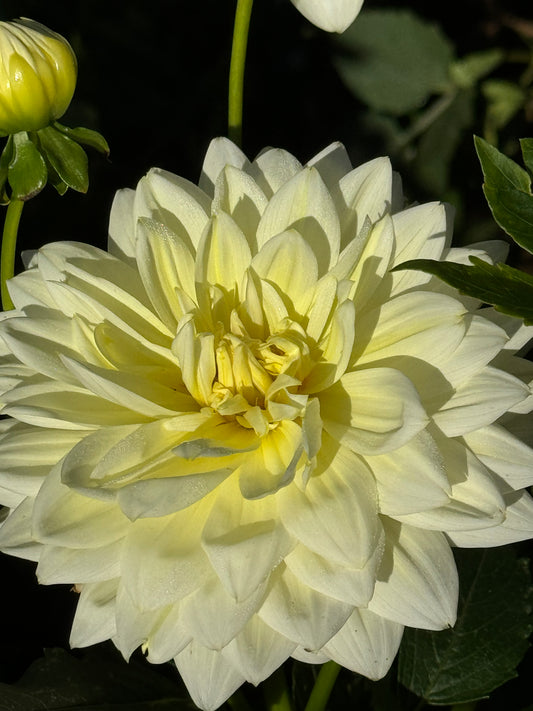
31, 159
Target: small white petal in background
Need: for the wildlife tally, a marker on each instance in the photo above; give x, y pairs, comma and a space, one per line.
329, 15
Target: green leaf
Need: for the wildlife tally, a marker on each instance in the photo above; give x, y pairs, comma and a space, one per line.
508, 290
393, 60
526, 144
489, 639
498, 169
86, 136
100, 680
507, 188
68, 159
26, 172
467, 71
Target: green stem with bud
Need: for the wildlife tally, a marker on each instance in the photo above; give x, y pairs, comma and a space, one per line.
9, 243
236, 71
323, 686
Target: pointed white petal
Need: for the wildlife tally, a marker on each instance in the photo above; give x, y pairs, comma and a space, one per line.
412, 478
63, 517
214, 617
94, 620
302, 614
417, 584
352, 585
336, 514
305, 204
475, 500
503, 453
516, 526
223, 254
479, 401
372, 411
422, 232
366, 192
289, 263
257, 651
76, 565
210, 679
16, 536
165, 264
272, 168
367, 644
221, 152
121, 242
168, 637
134, 626
175, 202
243, 539
162, 558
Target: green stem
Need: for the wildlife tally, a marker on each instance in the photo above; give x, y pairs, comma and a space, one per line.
236, 71
276, 692
323, 686
9, 244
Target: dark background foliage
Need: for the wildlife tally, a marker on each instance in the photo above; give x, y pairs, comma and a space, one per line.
153, 80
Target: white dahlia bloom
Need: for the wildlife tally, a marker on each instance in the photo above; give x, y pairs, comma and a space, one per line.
330, 15
244, 438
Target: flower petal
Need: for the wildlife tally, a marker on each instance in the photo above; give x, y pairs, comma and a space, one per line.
412, 478
288, 262
257, 651
302, 614
417, 584
372, 411
367, 644
479, 401
304, 203
502, 453
220, 153
336, 515
333, 16
94, 620
244, 540
210, 679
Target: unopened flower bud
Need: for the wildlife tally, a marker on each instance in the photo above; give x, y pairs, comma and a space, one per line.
38, 72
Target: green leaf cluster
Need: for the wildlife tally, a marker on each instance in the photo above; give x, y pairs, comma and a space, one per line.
53, 154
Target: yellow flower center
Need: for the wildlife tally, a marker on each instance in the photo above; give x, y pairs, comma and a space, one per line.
255, 382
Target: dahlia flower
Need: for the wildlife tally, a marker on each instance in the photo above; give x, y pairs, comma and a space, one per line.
242, 437
329, 15
38, 71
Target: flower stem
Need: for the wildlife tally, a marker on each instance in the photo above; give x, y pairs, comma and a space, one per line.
276, 692
9, 243
236, 71
323, 686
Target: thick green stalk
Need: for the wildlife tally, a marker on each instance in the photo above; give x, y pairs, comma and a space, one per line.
236, 71
323, 686
9, 244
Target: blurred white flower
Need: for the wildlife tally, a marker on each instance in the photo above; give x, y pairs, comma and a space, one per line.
329, 15
242, 437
